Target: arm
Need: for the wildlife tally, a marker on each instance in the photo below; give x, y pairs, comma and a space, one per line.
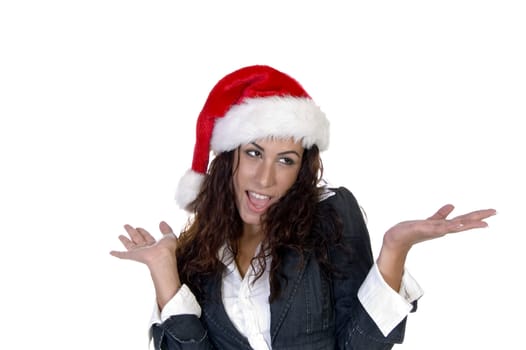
355, 328
182, 331
400, 238
391, 278
158, 256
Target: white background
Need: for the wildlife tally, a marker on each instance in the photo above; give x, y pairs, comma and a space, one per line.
98, 101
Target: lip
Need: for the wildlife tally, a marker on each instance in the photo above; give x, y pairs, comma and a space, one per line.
255, 204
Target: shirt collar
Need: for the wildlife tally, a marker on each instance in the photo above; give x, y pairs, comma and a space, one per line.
226, 256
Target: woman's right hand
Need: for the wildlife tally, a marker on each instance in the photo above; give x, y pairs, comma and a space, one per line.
157, 255
141, 246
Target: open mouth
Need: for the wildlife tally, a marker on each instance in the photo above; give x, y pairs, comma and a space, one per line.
258, 202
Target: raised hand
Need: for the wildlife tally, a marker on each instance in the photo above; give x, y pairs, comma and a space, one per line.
158, 255
405, 234
141, 246
399, 239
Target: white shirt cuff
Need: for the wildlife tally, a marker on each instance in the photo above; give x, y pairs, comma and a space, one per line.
385, 306
182, 303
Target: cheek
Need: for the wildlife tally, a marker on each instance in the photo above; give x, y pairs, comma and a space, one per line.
245, 173
288, 180
240, 180
235, 181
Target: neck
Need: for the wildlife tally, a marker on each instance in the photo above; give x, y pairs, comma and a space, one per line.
248, 243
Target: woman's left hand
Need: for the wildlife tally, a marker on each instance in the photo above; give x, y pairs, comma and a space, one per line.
399, 239
405, 234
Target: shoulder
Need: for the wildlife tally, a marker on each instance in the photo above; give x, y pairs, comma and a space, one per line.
342, 202
338, 197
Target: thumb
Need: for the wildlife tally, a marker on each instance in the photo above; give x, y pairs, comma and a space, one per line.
165, 228
442, 213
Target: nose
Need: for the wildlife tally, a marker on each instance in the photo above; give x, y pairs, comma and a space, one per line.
266, 174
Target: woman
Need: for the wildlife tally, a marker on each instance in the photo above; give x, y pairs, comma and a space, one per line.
272, 259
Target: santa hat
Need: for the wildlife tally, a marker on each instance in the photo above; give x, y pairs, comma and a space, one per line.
251, 103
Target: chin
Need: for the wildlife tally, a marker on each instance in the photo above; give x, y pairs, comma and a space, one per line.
250, 218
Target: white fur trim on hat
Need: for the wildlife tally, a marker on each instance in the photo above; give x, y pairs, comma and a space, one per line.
188, 188
275, 116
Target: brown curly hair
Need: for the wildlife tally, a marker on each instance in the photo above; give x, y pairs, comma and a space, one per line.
288, 224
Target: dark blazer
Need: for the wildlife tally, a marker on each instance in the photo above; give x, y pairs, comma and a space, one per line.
312, 311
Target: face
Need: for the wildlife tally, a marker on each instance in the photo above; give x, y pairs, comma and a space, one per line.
266, 170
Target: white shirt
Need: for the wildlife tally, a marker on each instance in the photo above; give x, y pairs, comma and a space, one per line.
246, 301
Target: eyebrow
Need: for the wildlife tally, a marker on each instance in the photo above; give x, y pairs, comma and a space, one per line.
280, 153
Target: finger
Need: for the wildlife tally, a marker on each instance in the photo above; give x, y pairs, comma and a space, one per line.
165, 228
472, 220
443, 212
148, 238
118, 254
476, 215
126, 242
459, 226
135, 236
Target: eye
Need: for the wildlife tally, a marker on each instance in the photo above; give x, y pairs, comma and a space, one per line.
253, 153
287, 161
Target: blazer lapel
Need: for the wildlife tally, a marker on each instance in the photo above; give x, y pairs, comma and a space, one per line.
215, 314
293, 274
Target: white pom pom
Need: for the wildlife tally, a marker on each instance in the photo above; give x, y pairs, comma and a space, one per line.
188, 188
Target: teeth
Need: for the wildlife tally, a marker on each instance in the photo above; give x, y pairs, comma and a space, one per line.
258, 196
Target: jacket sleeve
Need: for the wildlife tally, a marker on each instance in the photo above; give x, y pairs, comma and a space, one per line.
180, 332
355, 329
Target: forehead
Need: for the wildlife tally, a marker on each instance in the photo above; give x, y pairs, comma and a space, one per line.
288, 143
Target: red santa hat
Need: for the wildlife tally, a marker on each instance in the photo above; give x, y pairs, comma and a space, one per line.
251, 103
